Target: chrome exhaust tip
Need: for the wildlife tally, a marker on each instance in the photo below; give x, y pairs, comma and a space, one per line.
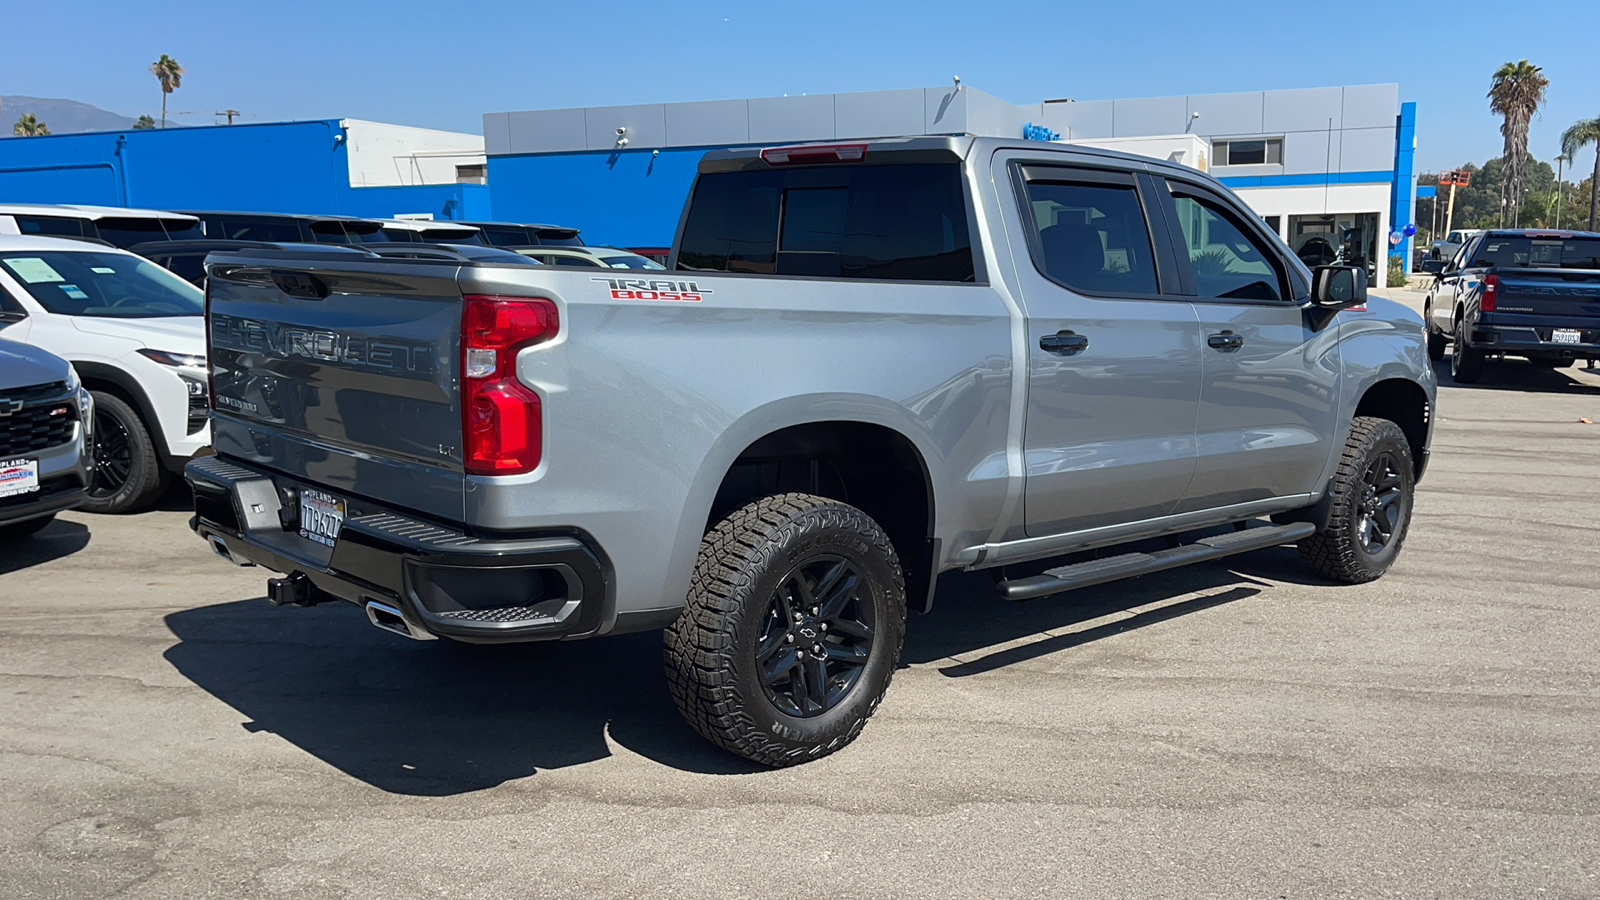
390, 619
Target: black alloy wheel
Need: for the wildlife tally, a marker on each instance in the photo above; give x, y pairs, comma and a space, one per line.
816, 636
1382, 504
113, 454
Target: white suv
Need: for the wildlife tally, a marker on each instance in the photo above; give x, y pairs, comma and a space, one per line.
115, 225
136, 335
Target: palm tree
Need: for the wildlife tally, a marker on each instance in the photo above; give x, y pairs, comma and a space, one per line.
1516, 92
28, 126
1585, 133
170, 74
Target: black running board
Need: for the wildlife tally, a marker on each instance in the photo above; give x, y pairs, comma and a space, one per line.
1127, 565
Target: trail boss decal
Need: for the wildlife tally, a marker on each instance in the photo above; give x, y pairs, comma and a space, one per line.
645, 289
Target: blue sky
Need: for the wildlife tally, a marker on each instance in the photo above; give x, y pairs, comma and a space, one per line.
442, 64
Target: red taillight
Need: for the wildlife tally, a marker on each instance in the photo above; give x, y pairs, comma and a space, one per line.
1491, 284
814, 153
501, 426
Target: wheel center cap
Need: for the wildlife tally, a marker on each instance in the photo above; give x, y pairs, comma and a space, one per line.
808, 629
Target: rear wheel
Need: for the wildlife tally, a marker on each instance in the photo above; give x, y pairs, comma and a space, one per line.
127, 469
791, 631
1371, 495
1466, 363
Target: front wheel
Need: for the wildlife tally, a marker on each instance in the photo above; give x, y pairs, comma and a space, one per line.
1371, 495
127, 469
791, 631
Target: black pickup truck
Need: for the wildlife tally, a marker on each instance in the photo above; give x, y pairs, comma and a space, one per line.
1528, 293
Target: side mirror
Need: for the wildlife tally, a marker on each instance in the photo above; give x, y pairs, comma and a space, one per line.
1433, 266
1338, 287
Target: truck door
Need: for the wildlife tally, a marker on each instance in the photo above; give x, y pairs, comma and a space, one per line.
1268, 396
1114, 354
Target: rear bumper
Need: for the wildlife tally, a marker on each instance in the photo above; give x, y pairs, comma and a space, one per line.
1519, 340
444, 582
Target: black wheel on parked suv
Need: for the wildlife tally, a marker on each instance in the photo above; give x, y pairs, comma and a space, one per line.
792, 629
1371, 495
127, 469
1466, 363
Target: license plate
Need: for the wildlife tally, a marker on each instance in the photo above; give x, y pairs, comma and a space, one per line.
1566, 336
321, 516
18, 476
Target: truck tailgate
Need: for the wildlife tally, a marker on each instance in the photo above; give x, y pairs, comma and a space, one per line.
1549, 294
343, 373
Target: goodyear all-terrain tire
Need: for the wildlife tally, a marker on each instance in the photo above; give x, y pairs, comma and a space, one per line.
792, 629
1372, 494
128, 474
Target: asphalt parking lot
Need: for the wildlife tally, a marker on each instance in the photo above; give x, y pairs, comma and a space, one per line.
1233, 730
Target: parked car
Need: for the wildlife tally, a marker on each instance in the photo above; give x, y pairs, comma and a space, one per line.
517, 236
1520, 292
187, 259
418, 231
135, 333
281, 228
1452, 243
116, 226
590, 258
850, 383
45, 413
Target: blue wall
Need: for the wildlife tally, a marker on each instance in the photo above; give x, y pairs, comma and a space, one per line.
628, 198
297, 167
1400, 194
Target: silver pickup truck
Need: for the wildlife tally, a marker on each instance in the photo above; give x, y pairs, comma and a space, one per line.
868, 364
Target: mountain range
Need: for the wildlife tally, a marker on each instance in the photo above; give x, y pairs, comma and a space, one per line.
60, 116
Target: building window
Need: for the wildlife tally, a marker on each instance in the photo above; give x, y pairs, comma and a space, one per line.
473, 174
1266, 151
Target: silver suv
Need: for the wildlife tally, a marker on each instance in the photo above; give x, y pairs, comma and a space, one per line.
869, 364
45, 417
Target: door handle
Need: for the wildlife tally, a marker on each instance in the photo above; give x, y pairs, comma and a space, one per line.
1064, 343
1227, 341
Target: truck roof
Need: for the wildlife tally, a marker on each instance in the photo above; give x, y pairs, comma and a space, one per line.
930, 148
88, 212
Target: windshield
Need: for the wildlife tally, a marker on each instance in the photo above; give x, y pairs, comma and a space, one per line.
107, 285
1533, 252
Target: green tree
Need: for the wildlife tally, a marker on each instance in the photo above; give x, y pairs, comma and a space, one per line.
1585, 133
1516, 92
28, 126
145, 123
170, 74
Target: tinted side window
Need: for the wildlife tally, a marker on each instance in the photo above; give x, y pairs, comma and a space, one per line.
574, 261
1227, 260
59, 225
1092, 237
125, 233
893, 222
190, 268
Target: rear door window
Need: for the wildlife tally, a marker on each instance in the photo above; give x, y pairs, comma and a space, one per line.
125, 233
881, 222
1090, 235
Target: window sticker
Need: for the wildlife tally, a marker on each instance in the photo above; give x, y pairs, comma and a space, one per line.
73, 291
102, 270
33, 270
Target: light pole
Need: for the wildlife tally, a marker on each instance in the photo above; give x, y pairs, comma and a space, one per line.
1560, 161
